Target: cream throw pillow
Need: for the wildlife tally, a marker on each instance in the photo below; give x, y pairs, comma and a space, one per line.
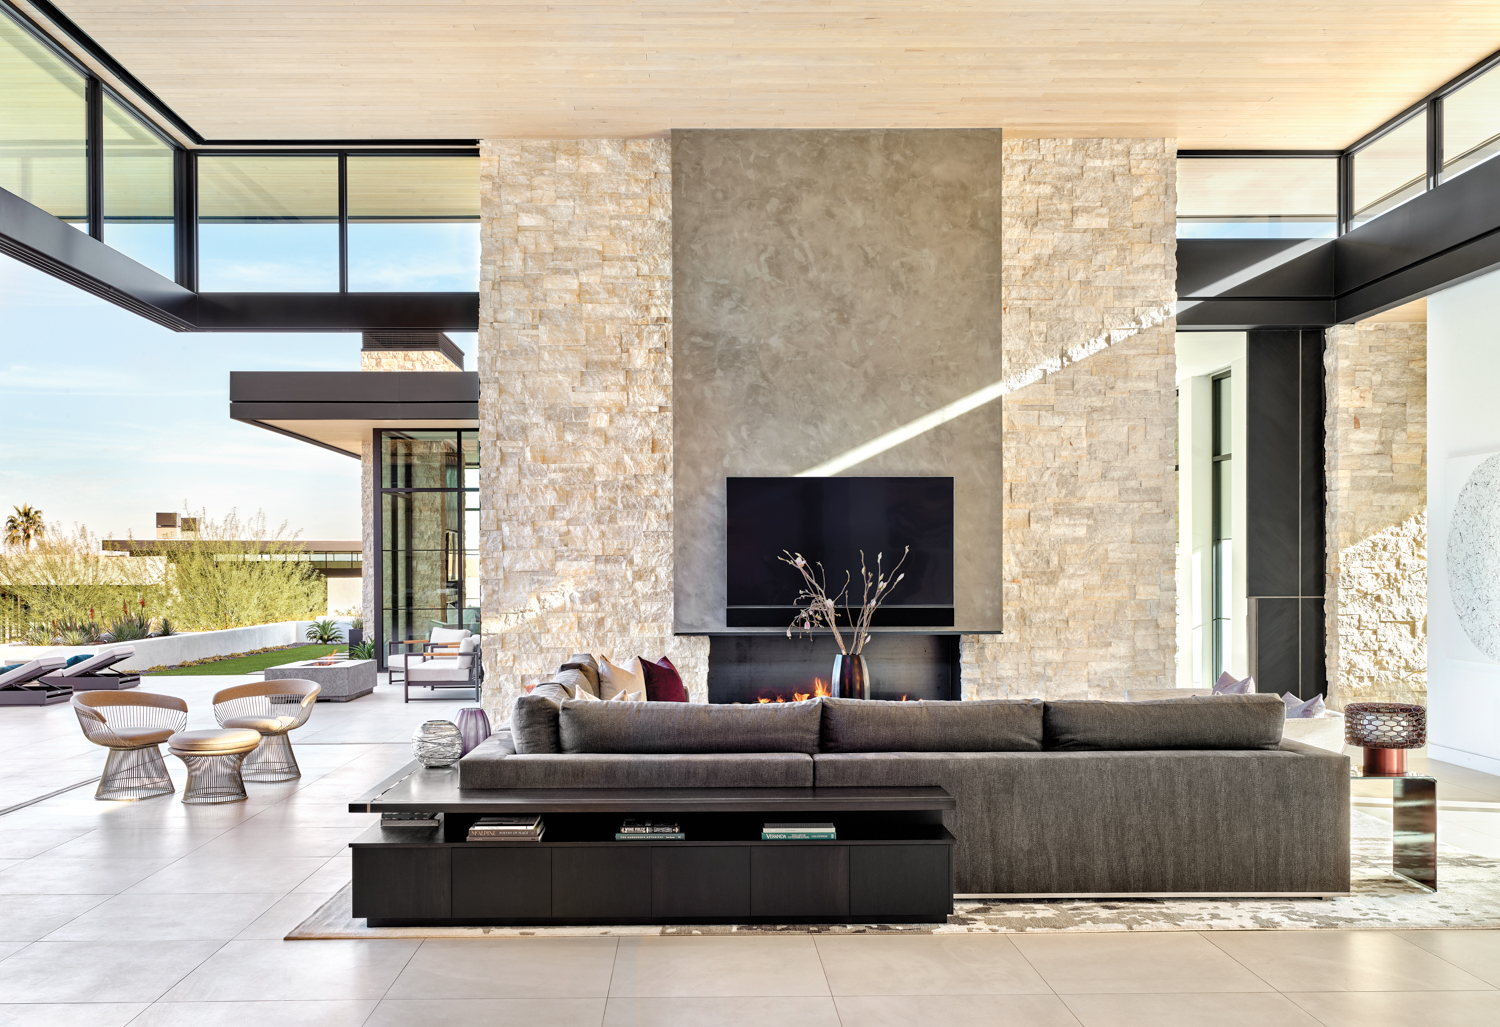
614, 680
585, 695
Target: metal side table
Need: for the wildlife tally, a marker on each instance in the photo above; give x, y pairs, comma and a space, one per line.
1413, 823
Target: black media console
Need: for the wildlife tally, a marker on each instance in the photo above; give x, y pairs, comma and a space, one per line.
891, 863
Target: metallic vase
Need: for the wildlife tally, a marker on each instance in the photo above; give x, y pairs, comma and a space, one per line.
437, 743
851, 679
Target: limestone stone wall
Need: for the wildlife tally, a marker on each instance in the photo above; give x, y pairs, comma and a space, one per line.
405, 360
369, 605
575, 409
576, 415
1090, 509
1376, 453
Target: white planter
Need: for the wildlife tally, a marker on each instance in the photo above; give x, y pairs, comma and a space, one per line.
174, 649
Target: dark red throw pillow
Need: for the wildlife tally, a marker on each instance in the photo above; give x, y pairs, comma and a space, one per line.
663, 683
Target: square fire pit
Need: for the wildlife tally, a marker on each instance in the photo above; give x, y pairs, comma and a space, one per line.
342, 680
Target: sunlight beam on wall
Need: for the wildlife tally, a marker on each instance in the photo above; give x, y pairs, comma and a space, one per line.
988, 394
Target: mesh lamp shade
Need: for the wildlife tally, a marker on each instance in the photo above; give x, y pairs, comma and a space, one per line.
1385, 730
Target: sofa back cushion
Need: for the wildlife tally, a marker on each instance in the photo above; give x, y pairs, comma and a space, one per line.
648, 727
979, 725
1196, 722
533, 720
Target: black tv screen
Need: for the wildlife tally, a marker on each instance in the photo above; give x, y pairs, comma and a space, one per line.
829, 520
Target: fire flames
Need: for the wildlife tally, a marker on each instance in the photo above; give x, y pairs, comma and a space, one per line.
820, 687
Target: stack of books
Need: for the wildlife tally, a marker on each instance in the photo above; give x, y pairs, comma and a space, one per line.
410, 819
797, 833
507, 829
649, 831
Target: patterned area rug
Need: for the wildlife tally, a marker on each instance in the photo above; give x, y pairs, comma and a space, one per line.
1468, 896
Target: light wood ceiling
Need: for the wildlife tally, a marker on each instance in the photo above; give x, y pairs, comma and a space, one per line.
1241, 73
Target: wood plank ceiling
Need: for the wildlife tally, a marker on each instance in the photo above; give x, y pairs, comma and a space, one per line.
1212, 73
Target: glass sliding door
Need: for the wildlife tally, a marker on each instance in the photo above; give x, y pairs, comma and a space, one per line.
428, 521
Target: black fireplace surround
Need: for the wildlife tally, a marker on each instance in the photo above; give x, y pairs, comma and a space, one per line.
773, 668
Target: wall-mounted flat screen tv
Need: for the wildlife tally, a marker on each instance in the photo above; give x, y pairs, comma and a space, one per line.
830, 520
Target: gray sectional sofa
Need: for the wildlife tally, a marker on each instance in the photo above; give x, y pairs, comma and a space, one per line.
1195, 795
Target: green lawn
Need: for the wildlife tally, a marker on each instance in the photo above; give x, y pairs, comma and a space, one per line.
256, 662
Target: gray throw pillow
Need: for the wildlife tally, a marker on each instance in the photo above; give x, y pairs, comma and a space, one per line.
1195, 722
685, 727
533, 724
978, 725
587, 665
576, 681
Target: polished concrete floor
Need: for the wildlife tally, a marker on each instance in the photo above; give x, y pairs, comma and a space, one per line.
157, 914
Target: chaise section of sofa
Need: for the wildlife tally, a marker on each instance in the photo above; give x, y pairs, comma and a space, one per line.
1240, 821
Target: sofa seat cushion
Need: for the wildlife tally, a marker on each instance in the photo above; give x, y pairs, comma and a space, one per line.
978, 725
652, 770
671, 727
1110, 822
1196, 722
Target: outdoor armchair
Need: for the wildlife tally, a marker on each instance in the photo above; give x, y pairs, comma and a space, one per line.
275, 709
436, 669
132, 726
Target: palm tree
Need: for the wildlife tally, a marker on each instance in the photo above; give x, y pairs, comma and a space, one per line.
23, 526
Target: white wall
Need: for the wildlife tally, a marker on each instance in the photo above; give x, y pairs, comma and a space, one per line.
1201, 355
1463, 426
181, 648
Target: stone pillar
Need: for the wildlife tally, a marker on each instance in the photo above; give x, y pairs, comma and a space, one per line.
368, 586
1376, 459
405, 360
1090, 260
575, 409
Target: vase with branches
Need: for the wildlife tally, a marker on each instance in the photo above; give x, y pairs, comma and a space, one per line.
819, 607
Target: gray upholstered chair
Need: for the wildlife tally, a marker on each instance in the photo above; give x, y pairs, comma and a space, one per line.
275, 709
132, 726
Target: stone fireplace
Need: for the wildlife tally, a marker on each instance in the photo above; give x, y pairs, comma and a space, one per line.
770, 667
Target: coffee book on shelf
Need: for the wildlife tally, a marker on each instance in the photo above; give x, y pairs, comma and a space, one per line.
637, 827
507, 829
797, 833
653, 836
410, 819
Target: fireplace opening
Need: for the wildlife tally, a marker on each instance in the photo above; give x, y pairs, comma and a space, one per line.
769, 668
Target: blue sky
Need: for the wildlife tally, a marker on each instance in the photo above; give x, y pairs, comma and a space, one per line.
106, 418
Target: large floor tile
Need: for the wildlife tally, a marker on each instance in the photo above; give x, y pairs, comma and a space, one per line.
270, 1012
277, 922
98, 971
23, 843
144, 917
721, 1012
245, 971
954, 1011
281, 840
474, 1012
1134, 963
29, 917
1478, 952
42, 875
928, 964
72, 1014
109, 843
718, 966
1402, 1009
1256, 1009
508, 968
1343, 961
215, 875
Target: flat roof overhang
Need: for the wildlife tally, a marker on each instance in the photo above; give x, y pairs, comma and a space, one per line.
338, 410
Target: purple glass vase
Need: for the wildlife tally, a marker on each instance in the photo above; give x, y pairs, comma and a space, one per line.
473, 727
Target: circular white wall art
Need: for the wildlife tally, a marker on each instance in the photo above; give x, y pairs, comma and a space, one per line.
1474, 557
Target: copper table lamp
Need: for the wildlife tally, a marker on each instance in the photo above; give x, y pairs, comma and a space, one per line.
1386, 730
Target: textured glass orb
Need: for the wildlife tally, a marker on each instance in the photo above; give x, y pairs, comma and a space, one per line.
437, 743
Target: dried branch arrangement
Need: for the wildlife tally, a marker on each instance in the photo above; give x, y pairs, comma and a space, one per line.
820, 609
